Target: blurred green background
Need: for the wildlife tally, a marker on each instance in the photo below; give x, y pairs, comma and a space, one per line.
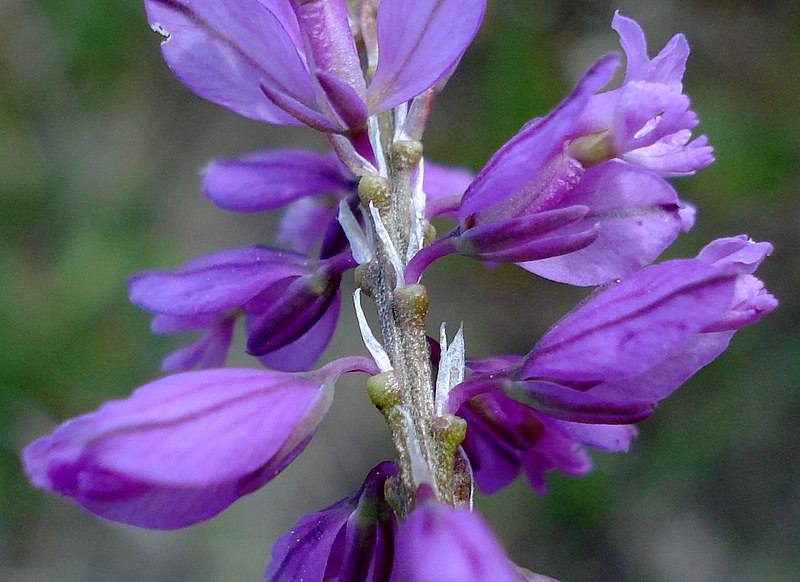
100, 153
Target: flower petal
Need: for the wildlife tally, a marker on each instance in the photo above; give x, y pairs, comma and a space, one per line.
180, 449
522, 157
437, 543
223, 51
215, 283
638, 217
300, 354
271, 179
628, 328
420, 41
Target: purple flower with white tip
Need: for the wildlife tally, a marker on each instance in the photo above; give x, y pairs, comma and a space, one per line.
350, 540
290, 62
535, 204
647, 121
578, 196
630, 345
290, 302
181, 449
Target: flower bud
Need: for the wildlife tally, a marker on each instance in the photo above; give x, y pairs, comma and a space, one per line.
181, 449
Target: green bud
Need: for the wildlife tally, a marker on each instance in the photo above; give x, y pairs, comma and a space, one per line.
405, 155
374, 189
384, 391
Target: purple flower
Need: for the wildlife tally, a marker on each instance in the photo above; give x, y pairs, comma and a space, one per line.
633, 343
647, 121
578, 196
607, 364
350, 540
289, 62
181, 449
438, 543
291, 305
607, 220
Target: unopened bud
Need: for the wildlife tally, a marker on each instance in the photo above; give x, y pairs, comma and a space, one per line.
405, 155
374, 189
384, 391
411, 303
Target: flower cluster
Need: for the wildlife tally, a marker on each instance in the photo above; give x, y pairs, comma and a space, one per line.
578, 196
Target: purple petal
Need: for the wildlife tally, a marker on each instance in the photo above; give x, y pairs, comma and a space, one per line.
325, 26
519, 161
665, 377
271, 179
287, 310
628, 328
420, 41
739, 252
215, 283
437, 543
495, 461
300, 354
638, 217
223, 51
612, 438
346, 103
210, 350
529, 237
303, 552
302, 112
304, 223
553, 451
751, 302
667, 67
668, 160
567, 403
180, 449
647, 113
341, 542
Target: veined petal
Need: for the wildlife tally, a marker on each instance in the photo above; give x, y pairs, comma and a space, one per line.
180, 449
332, 48
350, 540
520, 159
444, 186
210, 350
628, 328
667, 67
287, 310
267, 180
419, 42
638, 216
665, 377
738, 252
224, 51
215, 283
438, 543
612, 438
346, 103
304, 223
300, 354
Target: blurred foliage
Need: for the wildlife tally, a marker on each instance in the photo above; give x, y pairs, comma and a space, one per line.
99, 153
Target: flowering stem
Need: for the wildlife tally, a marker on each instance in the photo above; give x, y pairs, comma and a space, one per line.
405, 394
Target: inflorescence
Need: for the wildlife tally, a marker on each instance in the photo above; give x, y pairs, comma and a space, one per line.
578, 196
